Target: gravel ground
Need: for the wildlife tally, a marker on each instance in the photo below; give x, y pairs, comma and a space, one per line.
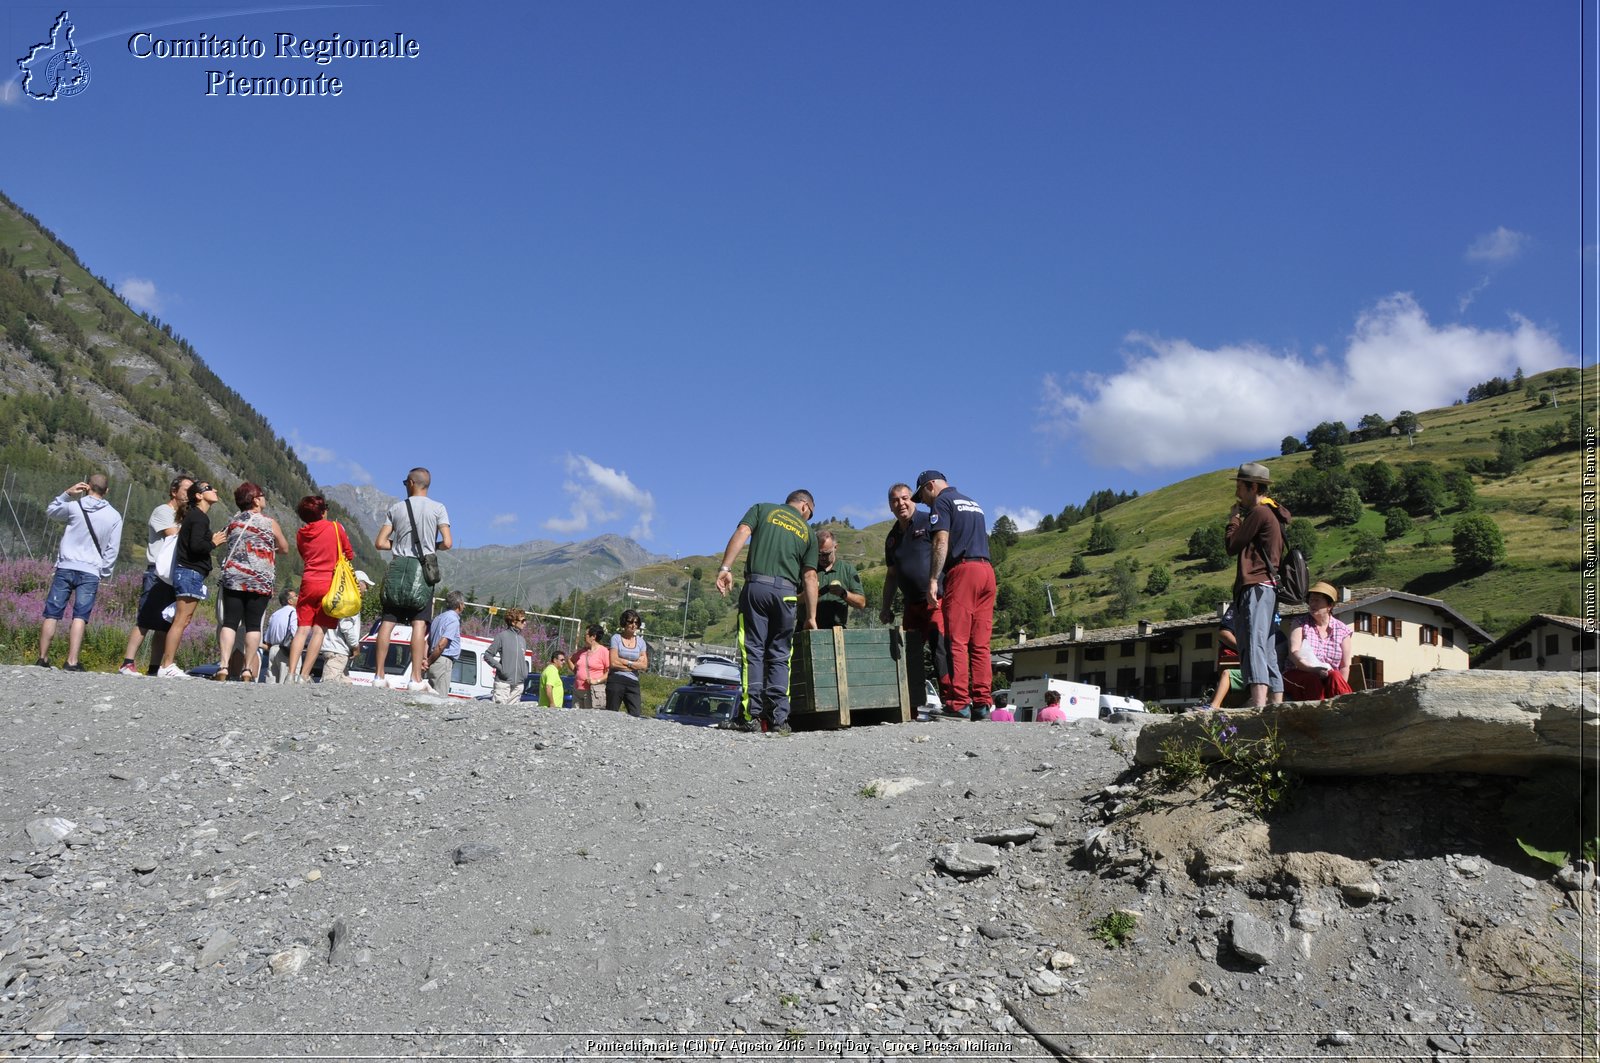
202, 870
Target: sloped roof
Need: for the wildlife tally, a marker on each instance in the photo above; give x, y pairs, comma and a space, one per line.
1515, 634
1362, 599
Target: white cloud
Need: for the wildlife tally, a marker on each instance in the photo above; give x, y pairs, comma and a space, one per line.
863, 515
598, 495
312, 454
1500, 246
1026, 518
310, 451
141, 294
1175, 404
1467, 298
502, 520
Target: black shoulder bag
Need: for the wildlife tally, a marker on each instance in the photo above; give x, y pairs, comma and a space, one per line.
430, 560
87, 523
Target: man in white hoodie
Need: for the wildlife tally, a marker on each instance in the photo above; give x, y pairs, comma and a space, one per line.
88, 551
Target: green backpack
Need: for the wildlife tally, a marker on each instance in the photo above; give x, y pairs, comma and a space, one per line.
404, 589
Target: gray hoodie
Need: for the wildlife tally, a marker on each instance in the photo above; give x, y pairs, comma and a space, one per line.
78, 552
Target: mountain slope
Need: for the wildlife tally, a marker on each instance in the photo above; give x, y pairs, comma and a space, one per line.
535, 572
366, 505
86, 383
540, 571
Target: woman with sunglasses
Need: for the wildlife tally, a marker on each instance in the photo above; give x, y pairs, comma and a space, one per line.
190, 567
629, 657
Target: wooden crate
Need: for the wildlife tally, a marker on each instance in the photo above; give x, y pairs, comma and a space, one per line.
840, 677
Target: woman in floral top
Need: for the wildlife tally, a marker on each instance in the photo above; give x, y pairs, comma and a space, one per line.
249, 576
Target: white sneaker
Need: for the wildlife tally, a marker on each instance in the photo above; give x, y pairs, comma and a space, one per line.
172, 671
380, 682
128, 669
419, 688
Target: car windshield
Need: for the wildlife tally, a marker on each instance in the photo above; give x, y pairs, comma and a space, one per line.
397, 660
699, 703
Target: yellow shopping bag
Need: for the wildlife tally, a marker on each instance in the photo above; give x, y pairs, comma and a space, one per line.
344, 594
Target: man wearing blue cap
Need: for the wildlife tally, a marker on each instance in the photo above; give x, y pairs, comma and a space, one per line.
961, 552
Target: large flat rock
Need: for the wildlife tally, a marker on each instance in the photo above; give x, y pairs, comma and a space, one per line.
1501, 723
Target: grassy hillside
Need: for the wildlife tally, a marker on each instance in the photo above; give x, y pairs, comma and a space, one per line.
1536, 509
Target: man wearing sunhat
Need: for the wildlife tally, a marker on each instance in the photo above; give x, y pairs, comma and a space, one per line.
1255, 536
961, 553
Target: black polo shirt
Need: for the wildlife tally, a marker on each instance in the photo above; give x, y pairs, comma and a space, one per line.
910, 552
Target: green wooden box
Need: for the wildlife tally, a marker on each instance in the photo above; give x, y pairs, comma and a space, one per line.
842, 675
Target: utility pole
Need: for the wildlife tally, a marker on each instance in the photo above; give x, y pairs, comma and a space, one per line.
684, 653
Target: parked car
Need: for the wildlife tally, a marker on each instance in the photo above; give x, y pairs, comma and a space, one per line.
470, 678
569, 689
1110, 703
702, 703
715, 668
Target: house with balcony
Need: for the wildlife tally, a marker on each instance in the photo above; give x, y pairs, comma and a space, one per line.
1396, 636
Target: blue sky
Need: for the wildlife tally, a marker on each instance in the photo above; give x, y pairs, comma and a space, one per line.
630, 267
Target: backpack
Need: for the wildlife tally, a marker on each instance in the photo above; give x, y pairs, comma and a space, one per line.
1293, 577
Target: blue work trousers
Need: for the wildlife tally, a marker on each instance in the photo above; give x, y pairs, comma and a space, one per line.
766, 640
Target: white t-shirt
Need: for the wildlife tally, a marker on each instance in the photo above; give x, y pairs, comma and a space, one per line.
161, 518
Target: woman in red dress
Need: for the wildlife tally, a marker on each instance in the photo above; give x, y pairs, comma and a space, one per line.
320, 542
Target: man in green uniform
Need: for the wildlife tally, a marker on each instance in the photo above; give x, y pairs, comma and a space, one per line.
782, 560
838, 584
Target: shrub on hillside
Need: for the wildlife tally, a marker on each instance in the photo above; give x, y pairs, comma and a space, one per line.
1397, 522
1366, 555
1346, 508
1103, 537
1477, 543
1158, 580
1209, 545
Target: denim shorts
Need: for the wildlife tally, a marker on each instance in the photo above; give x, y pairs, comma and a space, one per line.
83, 586
188, 583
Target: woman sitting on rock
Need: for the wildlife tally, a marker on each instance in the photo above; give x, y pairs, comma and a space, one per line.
1319, 650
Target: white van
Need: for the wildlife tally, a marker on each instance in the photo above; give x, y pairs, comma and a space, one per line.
471, 678
1110, 703
1079, 701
